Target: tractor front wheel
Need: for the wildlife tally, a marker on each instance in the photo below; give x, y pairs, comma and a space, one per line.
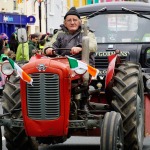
112, 132
1, 140
16, 138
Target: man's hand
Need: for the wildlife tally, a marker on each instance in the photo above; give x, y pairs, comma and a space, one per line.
49, 51
75, 50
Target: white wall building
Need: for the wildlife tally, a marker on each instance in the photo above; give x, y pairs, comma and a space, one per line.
56, 9
31, 8
52, 13
4, 7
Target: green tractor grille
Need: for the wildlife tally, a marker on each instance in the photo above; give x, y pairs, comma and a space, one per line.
43, 101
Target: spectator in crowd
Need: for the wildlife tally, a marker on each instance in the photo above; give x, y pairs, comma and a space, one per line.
4, 37
29, 37
5, 50
33, 44
1, 46
41, 43
22, 53
55, 31
11, 55
13, 42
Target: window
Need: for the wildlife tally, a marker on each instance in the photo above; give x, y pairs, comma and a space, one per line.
122, 22
63, 8
119, 28
148, 56
51, 7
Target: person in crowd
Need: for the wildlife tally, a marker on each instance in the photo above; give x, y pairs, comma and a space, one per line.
13, 42
29, 37
5, 50
11, 55
4, 37
48, 37
22, 53
55, 31
1, 46
42, 41
70, 36
33, 44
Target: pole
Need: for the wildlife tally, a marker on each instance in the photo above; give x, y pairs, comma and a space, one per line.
40, 16
85, 51
46, 13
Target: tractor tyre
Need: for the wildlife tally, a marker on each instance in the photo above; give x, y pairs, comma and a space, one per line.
112, 137
16, 138
1, 140
128, 100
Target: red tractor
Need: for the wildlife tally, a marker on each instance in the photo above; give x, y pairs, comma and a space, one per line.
62, 103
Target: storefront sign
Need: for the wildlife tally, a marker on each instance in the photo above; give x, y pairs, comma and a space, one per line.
31, 19
8, 19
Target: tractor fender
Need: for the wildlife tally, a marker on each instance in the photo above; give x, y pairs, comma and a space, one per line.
112, 59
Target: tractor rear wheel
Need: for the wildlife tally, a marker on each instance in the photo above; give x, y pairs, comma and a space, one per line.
1, 138
128, 100
16, 138
112, 132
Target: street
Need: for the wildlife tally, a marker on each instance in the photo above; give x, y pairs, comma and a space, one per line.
80, 143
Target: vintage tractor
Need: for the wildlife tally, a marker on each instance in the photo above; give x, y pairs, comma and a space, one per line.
62, 103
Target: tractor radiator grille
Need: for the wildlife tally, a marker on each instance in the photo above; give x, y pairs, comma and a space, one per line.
102, 62
43, 99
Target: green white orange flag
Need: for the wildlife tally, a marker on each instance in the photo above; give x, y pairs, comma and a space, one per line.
23, 75
76, 64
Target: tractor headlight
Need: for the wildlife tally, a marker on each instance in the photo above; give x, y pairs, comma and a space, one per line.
80, 71
6, 68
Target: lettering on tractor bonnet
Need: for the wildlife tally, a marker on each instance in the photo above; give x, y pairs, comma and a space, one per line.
110, 53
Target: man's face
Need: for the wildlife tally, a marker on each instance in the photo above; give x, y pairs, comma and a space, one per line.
35, 40
72, 23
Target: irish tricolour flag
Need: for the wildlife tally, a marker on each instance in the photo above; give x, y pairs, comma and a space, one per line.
77, 64
23, 75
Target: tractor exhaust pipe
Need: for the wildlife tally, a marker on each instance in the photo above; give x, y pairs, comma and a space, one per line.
85, 51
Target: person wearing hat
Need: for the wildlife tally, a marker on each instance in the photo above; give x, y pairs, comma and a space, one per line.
70, 37
4, 37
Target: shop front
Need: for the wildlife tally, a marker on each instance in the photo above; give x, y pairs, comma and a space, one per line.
10, 22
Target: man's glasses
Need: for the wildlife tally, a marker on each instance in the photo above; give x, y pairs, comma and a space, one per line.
72, 20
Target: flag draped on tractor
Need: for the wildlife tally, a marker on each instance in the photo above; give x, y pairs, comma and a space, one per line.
77, 64
23, 75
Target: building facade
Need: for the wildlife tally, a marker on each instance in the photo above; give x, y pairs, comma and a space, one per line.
10, 18
55, 14
47, 14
